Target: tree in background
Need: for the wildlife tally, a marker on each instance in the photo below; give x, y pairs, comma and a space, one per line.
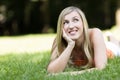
38, 16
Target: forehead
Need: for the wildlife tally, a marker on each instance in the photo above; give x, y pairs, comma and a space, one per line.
72, 14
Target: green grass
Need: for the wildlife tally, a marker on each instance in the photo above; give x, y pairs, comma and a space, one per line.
31, 65
23, 66
111, 72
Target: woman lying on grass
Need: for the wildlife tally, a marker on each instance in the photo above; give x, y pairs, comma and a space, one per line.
76, 45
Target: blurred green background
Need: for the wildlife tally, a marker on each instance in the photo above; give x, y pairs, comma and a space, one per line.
40, 16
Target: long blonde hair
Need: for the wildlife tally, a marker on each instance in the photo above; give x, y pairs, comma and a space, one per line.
61, 44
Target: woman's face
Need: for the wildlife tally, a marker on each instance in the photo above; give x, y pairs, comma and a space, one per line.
73, 25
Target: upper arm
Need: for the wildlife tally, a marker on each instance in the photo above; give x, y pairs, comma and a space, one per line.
99, 47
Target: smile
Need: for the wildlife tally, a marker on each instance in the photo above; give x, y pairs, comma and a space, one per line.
73, 32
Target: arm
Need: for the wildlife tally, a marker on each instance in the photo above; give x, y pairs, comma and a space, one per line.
99, 47
77, 72
58, 64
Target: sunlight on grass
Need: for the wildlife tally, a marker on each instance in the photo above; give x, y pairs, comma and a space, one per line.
27, 43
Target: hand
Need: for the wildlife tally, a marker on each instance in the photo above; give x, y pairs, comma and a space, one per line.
67, 38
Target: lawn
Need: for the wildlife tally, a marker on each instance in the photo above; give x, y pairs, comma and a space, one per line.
26, 43
26, 57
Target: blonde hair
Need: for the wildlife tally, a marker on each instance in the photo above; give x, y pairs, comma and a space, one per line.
60, 41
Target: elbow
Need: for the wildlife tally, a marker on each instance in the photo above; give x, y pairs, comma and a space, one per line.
52, 70
101, 66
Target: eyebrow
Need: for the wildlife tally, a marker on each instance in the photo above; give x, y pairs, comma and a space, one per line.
75, 17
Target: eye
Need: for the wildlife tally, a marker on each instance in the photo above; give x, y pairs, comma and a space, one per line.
75, 20
65, 22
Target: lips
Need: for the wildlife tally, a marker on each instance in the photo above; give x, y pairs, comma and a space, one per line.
73, 32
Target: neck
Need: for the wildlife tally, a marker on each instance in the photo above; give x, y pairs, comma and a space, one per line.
79, 42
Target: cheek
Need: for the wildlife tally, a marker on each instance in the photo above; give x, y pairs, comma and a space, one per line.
65, 28
80, 26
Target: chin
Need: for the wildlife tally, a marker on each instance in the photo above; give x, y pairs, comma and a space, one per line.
74, 38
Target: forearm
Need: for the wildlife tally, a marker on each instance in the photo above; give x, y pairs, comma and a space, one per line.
59, 64
82, 71
77, 72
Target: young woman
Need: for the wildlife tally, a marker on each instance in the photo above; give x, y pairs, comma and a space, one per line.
76, 44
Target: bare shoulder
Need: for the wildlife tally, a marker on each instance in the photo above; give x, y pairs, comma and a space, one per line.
95, 35
95, 32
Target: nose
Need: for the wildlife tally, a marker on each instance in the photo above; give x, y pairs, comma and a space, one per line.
71, 25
